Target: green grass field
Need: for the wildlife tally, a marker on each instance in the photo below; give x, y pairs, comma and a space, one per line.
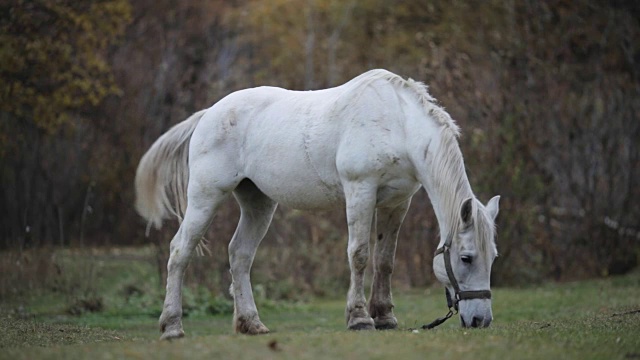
597, 319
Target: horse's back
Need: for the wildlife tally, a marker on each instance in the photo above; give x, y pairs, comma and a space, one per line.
298, 147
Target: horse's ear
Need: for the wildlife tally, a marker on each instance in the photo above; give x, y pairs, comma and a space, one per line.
465, 211
493, 206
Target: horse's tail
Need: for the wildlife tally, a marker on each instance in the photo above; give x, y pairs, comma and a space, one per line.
163, 174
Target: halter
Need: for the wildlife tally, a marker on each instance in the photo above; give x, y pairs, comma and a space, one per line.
458, 295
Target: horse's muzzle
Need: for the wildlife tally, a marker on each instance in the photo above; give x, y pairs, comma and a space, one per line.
476, 322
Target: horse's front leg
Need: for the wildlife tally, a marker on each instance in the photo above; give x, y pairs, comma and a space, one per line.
381, 302
360, 203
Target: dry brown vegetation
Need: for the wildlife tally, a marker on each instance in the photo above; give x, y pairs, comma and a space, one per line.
547, 93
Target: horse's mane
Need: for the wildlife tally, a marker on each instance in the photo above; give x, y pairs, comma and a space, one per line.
452, 181
447, 161
428, 102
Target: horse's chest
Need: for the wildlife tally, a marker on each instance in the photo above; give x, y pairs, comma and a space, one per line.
396, 191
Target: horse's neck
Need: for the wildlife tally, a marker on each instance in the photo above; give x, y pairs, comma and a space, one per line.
444, 178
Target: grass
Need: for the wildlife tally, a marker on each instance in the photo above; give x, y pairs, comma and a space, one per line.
597, 319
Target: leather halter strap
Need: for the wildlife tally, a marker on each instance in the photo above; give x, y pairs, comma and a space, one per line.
458, 295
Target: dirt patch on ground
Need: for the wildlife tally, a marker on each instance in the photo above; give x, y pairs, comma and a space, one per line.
21, 332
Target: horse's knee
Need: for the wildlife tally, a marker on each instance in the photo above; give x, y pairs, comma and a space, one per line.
359, 256
385, 267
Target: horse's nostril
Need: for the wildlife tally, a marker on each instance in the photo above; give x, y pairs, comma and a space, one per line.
476, 322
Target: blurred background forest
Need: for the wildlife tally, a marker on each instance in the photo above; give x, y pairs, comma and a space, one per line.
547, 93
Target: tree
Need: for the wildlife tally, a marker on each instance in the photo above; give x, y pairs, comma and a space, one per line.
53, 67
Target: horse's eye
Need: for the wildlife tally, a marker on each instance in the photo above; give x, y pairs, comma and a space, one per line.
466, 259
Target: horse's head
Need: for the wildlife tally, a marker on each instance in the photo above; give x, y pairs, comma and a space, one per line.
463, 263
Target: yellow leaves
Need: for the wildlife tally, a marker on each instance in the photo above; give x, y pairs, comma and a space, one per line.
330, 41
9, 55
52, 58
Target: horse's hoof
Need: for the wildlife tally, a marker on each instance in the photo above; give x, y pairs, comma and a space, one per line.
172, 334
386, 323
254, 329
258, 330
361, 324
170, 327
250, 326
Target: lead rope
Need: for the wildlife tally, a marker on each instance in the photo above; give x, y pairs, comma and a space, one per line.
453, 309
453, 306
437, 321
441, 320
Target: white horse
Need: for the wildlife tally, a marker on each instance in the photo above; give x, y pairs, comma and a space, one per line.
366, 146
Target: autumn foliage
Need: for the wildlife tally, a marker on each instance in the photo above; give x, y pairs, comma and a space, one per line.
547, 94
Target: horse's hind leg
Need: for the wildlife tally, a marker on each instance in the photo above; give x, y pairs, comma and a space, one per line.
203, 201
381, 302
256, 214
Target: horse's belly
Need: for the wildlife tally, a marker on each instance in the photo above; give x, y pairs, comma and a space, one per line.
291, 167
300, 192
312, 195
